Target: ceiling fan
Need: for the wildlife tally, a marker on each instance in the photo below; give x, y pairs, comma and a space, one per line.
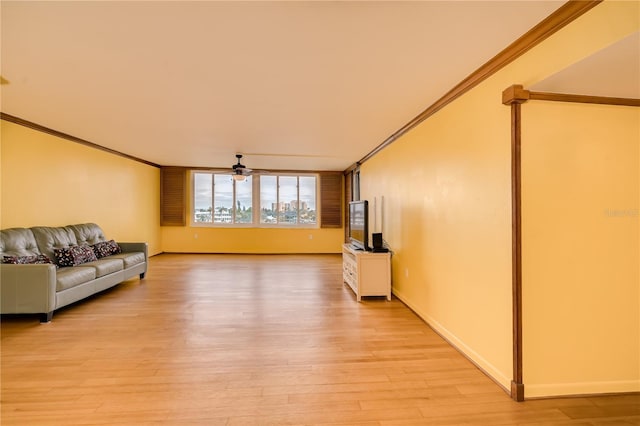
240, 171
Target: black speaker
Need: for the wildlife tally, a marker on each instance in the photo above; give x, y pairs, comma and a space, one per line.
377, 240
377, 243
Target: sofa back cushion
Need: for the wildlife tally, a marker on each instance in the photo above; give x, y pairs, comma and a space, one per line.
87, 233
18, 242
50, 238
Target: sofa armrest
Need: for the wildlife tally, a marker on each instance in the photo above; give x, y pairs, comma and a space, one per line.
26, 289
135, 247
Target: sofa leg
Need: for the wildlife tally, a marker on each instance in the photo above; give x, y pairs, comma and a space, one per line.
142, 276
46, 317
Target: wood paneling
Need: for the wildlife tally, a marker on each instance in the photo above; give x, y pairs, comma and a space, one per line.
173, 196
255, 340
517, 93
331, 199
348, 197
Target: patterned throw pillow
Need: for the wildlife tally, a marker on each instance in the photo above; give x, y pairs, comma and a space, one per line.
25, 260
106, 248
74, 255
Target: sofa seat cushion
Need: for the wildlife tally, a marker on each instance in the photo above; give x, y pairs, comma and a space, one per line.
105, 266
72, 276
130, 259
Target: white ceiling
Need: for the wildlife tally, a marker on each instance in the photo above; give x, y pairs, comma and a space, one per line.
292, 85
613, 71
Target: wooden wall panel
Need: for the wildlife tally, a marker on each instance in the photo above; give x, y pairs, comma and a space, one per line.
173, 196
331, 199
348, 197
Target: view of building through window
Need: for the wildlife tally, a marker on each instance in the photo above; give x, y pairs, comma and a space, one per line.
287, 200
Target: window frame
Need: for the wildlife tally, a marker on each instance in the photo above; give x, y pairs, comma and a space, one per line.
255, 201
298, 224
213, 224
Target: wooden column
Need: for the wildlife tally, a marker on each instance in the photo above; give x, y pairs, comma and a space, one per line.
515, 96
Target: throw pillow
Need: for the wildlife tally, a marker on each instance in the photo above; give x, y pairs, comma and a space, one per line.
74, 255
106, 248
25, 260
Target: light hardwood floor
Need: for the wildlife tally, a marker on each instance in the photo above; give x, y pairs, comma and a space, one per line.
256, 340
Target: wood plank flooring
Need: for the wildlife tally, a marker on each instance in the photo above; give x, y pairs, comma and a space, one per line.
256, 340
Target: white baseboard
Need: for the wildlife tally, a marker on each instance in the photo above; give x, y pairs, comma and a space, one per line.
485, 366
582, 388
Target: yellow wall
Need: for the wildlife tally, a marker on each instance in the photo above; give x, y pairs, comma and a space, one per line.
251, 240
49, 181
442, 195
581, 260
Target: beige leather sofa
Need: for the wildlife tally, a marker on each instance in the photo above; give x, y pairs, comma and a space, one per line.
42, 287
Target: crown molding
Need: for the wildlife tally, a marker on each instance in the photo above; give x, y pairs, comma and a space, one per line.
43, 129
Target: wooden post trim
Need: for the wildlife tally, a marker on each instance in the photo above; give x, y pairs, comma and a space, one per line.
585, 99
515, 96
517, 385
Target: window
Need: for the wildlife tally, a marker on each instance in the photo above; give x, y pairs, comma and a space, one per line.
218, 199
284, 200
355, 185
288, 200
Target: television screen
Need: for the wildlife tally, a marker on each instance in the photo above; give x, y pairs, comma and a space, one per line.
359, 224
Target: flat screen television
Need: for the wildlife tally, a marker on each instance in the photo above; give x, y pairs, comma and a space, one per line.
359, 224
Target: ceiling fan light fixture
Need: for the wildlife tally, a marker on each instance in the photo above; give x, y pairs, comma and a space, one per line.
240, 172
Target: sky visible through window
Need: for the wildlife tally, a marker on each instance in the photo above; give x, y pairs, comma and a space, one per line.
268, 192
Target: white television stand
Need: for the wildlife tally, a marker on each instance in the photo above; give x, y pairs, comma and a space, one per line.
367, 273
